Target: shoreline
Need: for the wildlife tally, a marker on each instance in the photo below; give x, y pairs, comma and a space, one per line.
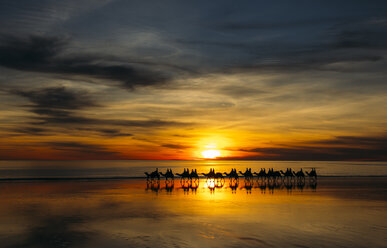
35, 179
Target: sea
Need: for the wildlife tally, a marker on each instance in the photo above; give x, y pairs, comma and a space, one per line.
108, 169
82, 204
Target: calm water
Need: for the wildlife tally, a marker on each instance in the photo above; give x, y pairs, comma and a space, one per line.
347, 211
338, 212
36, 169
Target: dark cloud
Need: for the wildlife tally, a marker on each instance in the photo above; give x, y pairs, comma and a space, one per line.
47, 99
47, 55
339, 148
59, 105
30, 130
365, 34
107, 132
176, 146
78, 147
367, 142
279, 24
240, 91
304, 45
73, 119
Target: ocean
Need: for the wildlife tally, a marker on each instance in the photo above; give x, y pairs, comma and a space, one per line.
135, 168
345, 207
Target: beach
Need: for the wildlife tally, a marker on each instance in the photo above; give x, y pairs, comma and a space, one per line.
337, 212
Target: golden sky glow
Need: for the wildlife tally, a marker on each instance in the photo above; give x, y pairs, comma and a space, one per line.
247, 88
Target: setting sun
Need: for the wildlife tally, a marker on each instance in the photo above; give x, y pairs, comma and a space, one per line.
211, 153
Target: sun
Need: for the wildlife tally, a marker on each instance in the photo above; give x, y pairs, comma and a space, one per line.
211, 153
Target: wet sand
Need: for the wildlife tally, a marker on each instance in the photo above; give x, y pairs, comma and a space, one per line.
338, 212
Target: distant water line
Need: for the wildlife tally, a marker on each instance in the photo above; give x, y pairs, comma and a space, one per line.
130, 169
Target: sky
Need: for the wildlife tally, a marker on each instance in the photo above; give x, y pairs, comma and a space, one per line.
254, 80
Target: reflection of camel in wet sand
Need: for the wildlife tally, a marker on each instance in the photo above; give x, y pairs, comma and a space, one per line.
312, 174
234, 183
154, 175
247, 174
168, 175
301, 185
233, 174
153, 185
248, 185
169, 185
313, 184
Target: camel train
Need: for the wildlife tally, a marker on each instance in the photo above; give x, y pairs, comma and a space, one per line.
271, 177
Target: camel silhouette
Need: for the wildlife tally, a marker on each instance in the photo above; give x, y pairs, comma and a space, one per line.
210, 175
288, 173
153, 175
312, 174
168, 175
300, 176
271, 179
261, 175
185, 174
274, 175
194, 174
247, 174
233, 174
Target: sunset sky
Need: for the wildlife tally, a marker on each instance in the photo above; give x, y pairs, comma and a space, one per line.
256, 80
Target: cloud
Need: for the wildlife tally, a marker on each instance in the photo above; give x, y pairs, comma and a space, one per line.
240, 91
300, 45
176, 146
59, 105
79, 147
270, 25
58, 98
367, 142
30, 130
109, 132
47, 55
336, 149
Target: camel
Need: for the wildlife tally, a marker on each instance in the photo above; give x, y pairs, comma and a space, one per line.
185, 174
300, 176
233, 174
299, 173
218, 175
154, 175
271, 174
247, 174
194, 174
168, 175
262, 174
288, 173
210, 175
312, 174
